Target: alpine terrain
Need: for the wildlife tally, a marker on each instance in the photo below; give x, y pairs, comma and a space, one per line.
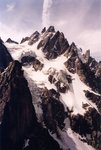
50, 94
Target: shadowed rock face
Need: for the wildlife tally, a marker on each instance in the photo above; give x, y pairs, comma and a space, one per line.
5, 57
19, 121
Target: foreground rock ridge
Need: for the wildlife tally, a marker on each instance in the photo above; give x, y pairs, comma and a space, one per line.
19, 121
50, 94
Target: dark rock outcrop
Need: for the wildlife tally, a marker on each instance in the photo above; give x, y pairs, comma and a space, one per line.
5, 57
1, 41
37, 65
27, 60
9, 40
30, 58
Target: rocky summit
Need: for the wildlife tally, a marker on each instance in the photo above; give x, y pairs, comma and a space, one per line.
50, 94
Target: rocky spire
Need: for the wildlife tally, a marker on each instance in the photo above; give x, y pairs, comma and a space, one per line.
9, 40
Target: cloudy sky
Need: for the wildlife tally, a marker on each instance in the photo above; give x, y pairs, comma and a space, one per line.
80, 20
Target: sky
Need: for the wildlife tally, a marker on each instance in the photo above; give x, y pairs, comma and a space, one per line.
79, 20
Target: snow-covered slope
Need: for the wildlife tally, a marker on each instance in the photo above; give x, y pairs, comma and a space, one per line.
75, 97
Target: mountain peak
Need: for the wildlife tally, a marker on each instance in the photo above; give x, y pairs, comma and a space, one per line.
43, 30
51, 29
62, 84
9, 40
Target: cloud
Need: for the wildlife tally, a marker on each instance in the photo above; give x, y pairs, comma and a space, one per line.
13, 32
90, 39
22, 20
10, 7
92, 19
26, 15
47, 4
